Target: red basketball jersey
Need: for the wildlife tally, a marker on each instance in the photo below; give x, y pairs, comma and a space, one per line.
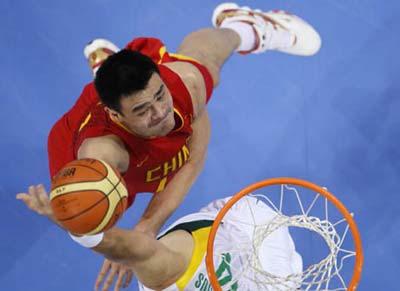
153, 162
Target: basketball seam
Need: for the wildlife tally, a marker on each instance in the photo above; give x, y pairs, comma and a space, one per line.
119, 180
119, 195
115, 188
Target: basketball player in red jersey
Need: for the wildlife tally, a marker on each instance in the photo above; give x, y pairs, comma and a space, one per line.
146, 115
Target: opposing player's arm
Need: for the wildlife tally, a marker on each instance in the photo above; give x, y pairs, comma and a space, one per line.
164, 203
155, 265
108, 148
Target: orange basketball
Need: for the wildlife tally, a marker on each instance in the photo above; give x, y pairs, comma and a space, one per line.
88, 196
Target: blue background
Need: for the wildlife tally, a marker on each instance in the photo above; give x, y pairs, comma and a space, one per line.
332, 119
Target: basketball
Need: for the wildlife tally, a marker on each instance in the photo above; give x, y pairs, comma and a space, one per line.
88, 196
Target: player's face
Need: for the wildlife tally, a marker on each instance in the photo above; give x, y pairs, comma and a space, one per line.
149, 112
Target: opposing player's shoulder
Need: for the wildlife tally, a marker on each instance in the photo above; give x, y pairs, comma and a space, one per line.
108, 148
194, 82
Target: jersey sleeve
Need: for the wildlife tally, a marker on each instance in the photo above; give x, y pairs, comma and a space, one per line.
59, 146
60, 142
94, 125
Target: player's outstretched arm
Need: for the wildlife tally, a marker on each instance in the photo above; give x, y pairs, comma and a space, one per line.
37, 199
154, 264
164, 203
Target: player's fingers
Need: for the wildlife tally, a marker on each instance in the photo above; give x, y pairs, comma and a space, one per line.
103, 272
38, 193
22, 196
110, 277
42, 194
121, 275
34, 195
26, 198
31, 190
128, 278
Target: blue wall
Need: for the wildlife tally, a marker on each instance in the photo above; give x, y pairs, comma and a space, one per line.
332, 119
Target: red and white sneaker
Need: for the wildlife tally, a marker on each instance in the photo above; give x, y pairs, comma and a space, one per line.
275, 30
97, 51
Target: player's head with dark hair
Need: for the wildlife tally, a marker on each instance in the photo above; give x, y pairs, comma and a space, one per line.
123, 74
130, 86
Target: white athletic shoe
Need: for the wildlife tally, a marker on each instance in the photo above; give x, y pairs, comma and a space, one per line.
97, 51
275, 30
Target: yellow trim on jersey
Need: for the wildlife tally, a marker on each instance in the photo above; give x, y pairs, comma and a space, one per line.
181, 117
85, 121
200, 238
183, 57
162, 52
121, 125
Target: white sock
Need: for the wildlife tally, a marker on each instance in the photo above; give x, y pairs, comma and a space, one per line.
246, 33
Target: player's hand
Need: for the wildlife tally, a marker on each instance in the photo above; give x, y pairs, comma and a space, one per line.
37, 200
111, 270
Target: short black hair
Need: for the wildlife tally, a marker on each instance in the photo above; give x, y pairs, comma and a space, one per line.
122, 74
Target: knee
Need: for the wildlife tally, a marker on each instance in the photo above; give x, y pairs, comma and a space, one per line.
214, 72
197, 45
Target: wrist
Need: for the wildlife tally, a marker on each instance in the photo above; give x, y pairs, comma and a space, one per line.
88, 241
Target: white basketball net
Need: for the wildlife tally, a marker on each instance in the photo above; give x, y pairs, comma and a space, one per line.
317, 276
